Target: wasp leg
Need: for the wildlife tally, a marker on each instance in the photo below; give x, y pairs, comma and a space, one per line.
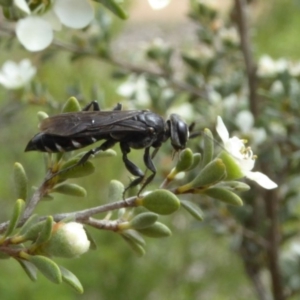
118, 107
94, 104
149, 164
104, 146
131, 167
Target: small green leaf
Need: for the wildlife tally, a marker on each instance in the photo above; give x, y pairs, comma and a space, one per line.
21, 181
157, 230
29, 269
196, 161
162, 202
77, 171
193, 209
208, 149
47, 267
46, 231
136, 247
7, 3
209, 175
115, 191
70, 189
72, 105
134, 236
234, 186
69, 278
33, 232
185, 161
143, 220
17, 212
224, 195
93, 245
28, 224
114, 8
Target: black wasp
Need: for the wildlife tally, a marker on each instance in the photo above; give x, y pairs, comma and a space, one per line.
137, 129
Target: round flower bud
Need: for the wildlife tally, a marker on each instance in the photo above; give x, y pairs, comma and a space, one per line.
68, 240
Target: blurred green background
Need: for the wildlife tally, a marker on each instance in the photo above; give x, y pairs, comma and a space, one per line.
194, 263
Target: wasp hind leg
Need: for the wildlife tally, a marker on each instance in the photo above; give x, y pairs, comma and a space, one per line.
104, 146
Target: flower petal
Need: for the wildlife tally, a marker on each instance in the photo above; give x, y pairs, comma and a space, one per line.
15, 76
262, 179
22, 4
34, 33
52, 19
222, 130
158, 4
74, 13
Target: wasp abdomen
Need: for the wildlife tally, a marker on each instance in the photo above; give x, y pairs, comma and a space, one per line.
54, 143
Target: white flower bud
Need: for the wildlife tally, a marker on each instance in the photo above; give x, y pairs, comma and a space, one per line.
68, 240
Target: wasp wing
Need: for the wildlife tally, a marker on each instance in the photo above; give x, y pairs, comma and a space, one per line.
87, 122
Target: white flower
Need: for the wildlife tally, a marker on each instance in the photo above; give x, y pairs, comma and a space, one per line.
229, 35
245, 121
268, 67
15, 76
35, 32
158, 4
294, 69
135, 86
185, 110
243, 156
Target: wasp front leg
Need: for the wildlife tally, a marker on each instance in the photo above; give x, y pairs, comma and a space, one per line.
94, 104
131, 167
149, 164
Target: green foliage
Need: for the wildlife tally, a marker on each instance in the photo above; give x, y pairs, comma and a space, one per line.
213, 77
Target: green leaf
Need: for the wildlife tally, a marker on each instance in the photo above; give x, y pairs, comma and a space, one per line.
185, 161
234, 186
21, 181
115, 191
143, 220
6, 3
47, 267
114, 8
193, 209
28, 224
17, 212
46, 231
29, 269
32, 233
93, 245
77, 171
72, 105
224, 195
157, 230
134, 236
212, 173
196, 161
162, 202
70, 189
208, 149
69, 278
134, 245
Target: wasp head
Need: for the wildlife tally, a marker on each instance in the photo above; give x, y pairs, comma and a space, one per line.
178, 131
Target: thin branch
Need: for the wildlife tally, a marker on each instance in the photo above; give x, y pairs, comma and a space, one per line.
242, 23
